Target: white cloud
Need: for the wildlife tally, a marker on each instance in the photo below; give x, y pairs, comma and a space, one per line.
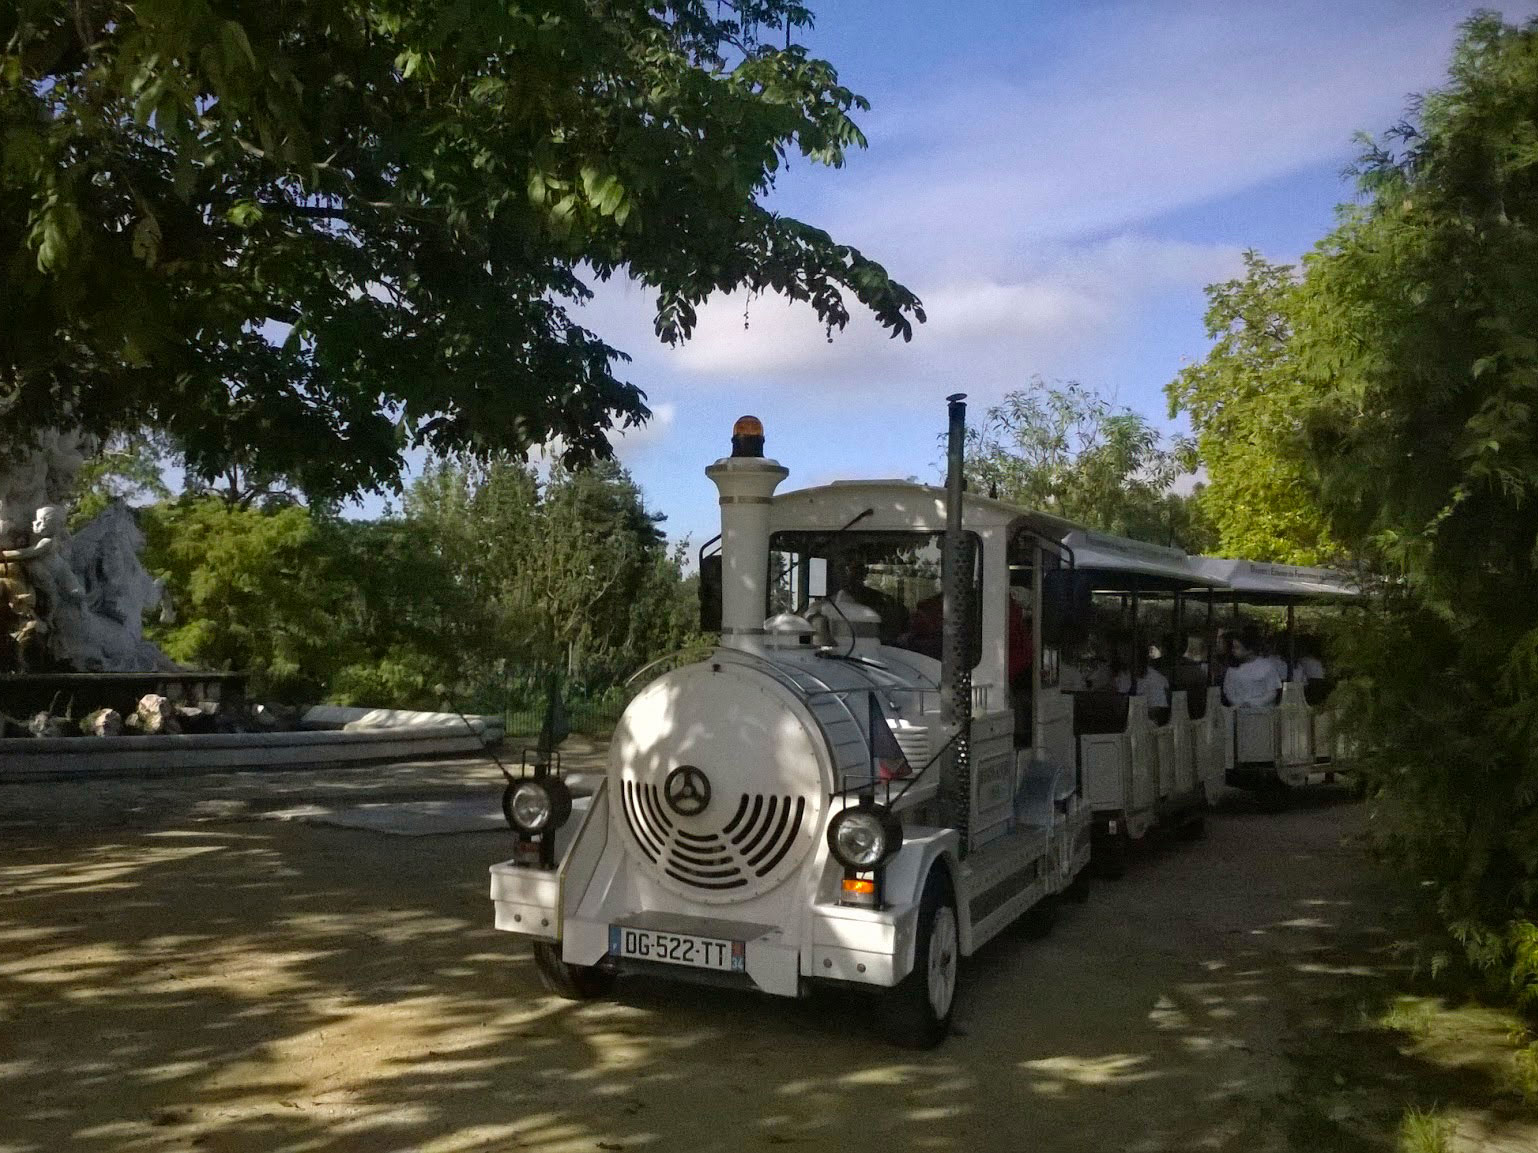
1018, 204
1154, 108
632, 445
989, 332
1030, 203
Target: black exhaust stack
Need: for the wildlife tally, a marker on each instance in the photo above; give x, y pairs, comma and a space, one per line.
956, 637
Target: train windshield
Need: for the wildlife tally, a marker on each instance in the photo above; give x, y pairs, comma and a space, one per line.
895, 573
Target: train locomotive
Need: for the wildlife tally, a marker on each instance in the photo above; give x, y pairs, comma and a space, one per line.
853, 788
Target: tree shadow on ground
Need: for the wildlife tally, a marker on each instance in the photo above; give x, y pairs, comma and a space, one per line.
267, 986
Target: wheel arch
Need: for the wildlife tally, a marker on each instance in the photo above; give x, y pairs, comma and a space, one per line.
906, 875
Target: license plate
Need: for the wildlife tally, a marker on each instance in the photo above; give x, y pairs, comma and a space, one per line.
677, 949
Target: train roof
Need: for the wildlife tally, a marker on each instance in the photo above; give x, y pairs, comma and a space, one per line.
1260, 582
1121, 563
899, 504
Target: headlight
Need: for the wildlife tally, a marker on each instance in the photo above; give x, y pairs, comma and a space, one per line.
534, 804
863, 837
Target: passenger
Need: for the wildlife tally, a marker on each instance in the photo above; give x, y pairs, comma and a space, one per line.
893, 613
1273, 653
1152, 685
1251, 681
1308, 667
1195, 656
1073, 671
1099, 671
1021, 644
1021, 654
925, 632
1222, 658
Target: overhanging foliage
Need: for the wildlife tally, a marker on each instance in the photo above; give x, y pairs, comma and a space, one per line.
302, 235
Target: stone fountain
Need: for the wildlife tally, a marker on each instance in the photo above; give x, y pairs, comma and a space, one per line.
72, 606
73, 657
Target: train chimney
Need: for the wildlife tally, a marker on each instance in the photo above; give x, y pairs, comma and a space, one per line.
746, 481
956, 637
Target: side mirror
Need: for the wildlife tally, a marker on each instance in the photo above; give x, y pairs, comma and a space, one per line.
710, 594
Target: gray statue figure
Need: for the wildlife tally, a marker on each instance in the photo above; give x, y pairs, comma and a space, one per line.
72, 604
22, 627
60, 616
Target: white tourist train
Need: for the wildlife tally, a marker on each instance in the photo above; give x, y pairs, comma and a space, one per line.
882, 765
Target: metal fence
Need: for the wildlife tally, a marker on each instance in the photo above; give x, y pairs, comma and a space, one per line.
593, 702
521, 694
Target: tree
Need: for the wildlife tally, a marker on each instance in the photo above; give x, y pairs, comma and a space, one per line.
127, 468
490, 570
1414, 333
1065, 449
253, 590
1244, 401
301, 237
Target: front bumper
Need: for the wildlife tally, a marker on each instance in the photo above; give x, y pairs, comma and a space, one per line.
861, 946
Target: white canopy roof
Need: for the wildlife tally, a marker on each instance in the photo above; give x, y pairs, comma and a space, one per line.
1259, 581
1158, 565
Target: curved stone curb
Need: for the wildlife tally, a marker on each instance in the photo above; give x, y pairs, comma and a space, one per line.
401, 738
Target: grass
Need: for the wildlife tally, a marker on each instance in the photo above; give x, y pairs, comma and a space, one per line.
1412, 1016
1522, 1078
1425, 1131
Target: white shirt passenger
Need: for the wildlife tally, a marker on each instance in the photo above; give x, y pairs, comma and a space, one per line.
1279, 663
1153, 686
1252, 684
1308, 669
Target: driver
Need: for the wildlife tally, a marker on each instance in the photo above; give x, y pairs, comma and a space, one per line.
893, 613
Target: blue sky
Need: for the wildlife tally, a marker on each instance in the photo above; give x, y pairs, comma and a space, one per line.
1057, 181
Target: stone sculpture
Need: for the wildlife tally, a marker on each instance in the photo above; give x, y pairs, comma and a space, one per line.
69, 604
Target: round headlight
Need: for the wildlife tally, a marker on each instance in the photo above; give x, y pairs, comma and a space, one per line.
861, 838
534, 805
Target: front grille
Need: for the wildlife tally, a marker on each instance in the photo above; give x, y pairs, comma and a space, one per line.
914, 742
761, 832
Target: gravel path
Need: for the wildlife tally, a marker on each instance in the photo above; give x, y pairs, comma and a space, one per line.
177, 973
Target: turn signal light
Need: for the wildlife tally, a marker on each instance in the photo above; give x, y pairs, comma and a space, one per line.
854, 885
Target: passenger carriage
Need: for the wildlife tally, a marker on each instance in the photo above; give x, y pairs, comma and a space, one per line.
1144, 765
864, 783
1295, 740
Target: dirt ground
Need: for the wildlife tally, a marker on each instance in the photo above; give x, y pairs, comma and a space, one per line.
179, 971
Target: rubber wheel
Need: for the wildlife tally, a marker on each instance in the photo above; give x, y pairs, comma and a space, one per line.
916, 1013
1195, 828
1078, 890
574, 982
1109, 857
1037, 921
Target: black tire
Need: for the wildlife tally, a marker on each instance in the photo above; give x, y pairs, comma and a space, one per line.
909, 1018
1078, 891
1037, 921
574, 982
1194, 828
1109, 856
